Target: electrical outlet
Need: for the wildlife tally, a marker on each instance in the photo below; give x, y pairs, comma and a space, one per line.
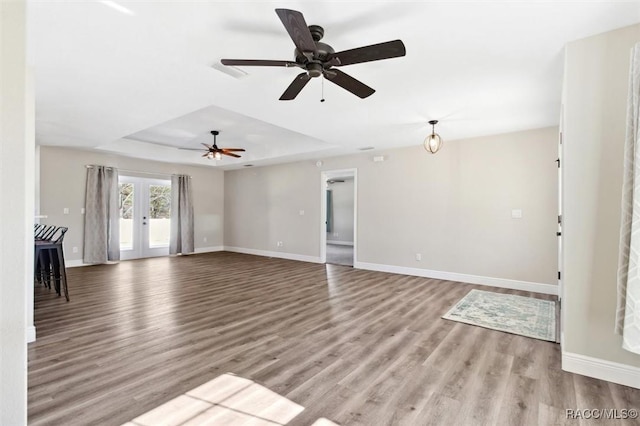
335, 234
301, 212
75, 249
65, 210
204, 239
82, 210
418, 257
279, 244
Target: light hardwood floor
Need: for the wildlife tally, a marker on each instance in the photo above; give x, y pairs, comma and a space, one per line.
352, 346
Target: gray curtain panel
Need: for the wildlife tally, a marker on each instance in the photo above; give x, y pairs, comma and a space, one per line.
628, 300
102, 216
181, 240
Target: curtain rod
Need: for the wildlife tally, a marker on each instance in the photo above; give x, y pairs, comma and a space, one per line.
90, 166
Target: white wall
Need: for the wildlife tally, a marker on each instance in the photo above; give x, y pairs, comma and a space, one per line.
343, 204
63, 180
595, 96
262, 206
453, 207
16, 215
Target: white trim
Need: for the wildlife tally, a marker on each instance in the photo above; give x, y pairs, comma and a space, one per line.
340, 243
75, 263
278, 254
78, 262
597, 368
324, 176
463, 278
31, 334
208, 249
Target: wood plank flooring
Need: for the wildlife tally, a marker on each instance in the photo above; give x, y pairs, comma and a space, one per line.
355, 347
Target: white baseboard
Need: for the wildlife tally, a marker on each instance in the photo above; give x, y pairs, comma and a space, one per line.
79, 262
208, 249
597, 368
340, 243
75, 263
278, 254
463, 278
31, 334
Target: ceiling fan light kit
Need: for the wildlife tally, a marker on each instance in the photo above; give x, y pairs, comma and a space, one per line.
433, 142
318, 59
215, 153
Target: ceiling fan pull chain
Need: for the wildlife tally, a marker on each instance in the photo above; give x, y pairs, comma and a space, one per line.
322, 85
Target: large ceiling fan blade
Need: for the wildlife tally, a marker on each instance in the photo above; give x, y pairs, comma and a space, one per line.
375, 52
295, 87
349, 83
229, 154
298, 30
233, 149
257, 63
191, 149
207, 146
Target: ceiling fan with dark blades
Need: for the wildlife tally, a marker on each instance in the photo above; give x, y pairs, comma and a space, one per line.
215, 152
319, 59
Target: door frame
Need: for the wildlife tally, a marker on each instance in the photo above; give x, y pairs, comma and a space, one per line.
140, 233
324, 176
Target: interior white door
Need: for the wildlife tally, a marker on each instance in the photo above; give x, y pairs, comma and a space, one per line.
145, 217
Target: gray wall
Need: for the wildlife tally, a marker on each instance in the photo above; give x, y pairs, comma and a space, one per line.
342, 194
16, 216
595, 96
63, 179
453, 207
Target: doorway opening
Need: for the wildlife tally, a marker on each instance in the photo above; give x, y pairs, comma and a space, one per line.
145, 217
338, 233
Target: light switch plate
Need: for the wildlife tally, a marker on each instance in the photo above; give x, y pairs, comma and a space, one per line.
516, 214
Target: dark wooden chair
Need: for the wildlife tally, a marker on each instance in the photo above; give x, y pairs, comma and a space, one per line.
49, 260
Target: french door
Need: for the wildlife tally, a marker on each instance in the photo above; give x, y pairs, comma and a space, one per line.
145, 217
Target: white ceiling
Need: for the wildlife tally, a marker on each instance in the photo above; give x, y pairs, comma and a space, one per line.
143, 78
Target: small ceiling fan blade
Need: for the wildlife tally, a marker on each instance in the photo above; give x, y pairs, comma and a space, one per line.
233, 149
207, 146
297, 28
374, 52
258, 63
206, 154
295, 87
349, 83
229, 154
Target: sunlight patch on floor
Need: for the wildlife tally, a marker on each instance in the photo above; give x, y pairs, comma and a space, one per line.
226, 400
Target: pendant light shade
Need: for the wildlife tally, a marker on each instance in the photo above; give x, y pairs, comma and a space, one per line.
433, 142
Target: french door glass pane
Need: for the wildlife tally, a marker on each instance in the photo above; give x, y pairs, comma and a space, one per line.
126, 216
159, 215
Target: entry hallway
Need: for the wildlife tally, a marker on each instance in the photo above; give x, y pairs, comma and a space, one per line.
350, 346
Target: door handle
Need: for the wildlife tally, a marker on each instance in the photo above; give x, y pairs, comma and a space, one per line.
558, 233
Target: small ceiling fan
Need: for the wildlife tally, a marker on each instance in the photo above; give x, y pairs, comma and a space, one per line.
318, 59
214, 151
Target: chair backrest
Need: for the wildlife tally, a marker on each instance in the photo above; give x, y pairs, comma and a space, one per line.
58, 235
45, 232
37, 228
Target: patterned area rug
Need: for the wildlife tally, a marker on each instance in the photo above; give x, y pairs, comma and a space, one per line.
525, 316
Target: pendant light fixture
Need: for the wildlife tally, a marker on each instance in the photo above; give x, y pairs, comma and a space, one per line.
433, 142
